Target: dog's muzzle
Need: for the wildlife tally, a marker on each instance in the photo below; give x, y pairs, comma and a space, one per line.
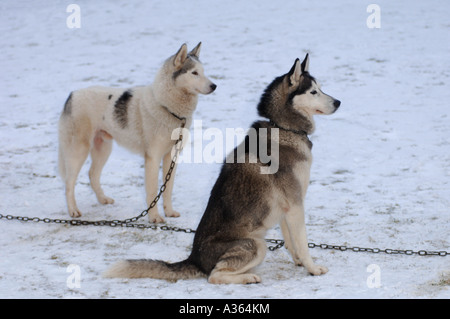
336, 104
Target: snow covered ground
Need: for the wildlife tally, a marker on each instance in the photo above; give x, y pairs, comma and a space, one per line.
381, 170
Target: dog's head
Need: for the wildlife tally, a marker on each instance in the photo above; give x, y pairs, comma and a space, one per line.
188, 73
292, 99
305, 92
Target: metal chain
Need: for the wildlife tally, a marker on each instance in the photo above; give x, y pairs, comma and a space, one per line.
130, 222
126, 222
280, 243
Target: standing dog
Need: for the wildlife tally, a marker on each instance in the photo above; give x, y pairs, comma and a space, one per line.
244, 203
141, 119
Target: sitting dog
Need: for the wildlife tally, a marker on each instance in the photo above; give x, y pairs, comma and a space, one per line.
245, 203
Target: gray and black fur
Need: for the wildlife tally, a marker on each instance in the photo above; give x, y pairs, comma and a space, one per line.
68, 105
121, 108
244, 203
286, 117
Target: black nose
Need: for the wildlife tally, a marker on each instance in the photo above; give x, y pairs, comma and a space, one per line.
336, 103
213, 87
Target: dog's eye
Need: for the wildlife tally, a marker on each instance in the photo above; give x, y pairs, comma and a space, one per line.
195, 72
313, 92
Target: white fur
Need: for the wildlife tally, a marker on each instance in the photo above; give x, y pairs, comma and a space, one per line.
317, 103
90, 124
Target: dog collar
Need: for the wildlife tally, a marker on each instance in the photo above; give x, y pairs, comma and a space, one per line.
181, 118
289, 130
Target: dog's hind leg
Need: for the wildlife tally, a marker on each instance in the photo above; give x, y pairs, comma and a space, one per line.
234, 264
75, 155
99, 154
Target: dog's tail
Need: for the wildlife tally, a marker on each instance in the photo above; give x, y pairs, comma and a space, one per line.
157, 269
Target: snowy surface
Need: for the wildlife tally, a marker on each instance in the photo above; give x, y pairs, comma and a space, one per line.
381, 170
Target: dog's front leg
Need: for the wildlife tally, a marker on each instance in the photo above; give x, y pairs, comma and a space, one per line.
287, 240
151, 186
167, 195
295, 221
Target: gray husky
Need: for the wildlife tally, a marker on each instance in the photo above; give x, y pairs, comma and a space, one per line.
141, 119
244, 203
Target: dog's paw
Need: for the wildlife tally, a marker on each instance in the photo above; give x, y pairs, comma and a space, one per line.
74, 213
242, 279
317, 270
105, 200
171, 213
251, 279
155, 218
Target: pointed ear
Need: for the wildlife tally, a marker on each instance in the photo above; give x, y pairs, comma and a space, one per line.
294, 73
305, 64
180, 57
196, 51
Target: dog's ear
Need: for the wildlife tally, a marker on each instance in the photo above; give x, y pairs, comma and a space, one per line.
294, 73
180, 57
196, 51
305, 64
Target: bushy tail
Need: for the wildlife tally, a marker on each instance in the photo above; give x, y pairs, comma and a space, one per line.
147, 268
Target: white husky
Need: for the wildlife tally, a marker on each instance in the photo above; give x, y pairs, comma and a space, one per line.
141, 119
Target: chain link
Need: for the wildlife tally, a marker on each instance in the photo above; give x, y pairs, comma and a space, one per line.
131, 222
277, 243
126, 222
378, 250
